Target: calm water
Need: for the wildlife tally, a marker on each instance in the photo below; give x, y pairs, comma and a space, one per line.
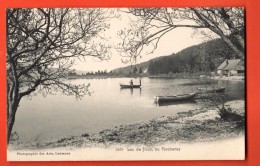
58, 116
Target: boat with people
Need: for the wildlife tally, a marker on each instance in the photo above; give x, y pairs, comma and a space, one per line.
178, 98
212, 90
131, 85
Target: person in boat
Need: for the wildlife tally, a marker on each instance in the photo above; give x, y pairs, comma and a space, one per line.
131, 83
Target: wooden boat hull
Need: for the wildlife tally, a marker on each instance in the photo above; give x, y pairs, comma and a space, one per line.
168, 103
218, 90
178, 98
130, 86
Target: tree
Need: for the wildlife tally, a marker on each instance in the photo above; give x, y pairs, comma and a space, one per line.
42, 45
135, 70
140, 70
153, 23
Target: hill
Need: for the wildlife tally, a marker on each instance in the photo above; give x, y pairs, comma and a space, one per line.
206, 56
131, 68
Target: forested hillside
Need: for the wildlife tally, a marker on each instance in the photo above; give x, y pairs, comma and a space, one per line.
203, 57
206, 56
135, 68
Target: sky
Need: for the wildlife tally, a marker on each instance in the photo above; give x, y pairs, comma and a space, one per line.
173, 42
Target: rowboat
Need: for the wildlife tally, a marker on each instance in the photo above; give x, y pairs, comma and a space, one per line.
183, 97
212, 90
168, 103
130, 86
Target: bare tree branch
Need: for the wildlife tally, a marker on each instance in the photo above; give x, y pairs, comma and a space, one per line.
154, 23
42, 45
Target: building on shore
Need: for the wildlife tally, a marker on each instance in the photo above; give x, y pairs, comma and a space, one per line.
231, 67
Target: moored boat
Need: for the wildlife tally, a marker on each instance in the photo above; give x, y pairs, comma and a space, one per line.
183, 97
168, 103
212, 90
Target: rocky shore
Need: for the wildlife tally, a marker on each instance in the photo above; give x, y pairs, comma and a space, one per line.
187, 127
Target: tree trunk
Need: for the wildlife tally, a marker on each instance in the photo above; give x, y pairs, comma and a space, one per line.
12, 105
239, 53
216, 29
10, 123
229, 42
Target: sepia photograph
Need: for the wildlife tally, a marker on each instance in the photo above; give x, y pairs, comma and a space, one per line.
102, 84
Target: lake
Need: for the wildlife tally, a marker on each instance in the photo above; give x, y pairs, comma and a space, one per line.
57, 116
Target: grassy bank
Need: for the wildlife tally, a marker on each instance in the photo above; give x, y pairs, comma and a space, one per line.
193, 126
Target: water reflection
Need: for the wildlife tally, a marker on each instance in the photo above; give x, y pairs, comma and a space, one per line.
123, 90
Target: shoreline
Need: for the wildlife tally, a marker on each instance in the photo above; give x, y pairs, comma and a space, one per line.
198, 125
231, 78
181, 76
